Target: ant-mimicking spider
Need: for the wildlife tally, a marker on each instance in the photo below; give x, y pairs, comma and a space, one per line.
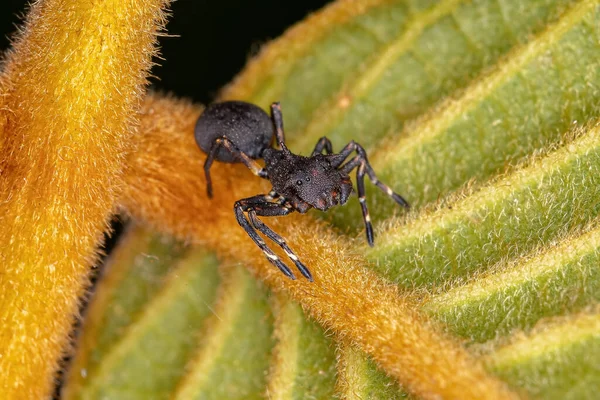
236, 131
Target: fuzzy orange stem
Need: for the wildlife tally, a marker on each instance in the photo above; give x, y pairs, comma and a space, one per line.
68, 93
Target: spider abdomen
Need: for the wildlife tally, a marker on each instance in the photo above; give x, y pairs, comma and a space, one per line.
247, 126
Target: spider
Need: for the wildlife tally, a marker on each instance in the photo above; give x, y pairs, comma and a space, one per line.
236, 131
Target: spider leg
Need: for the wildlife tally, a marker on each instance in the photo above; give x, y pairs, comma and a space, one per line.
361, 162
259, 205
362, 154
323, 143
357, 161
277, 118
258, 224
270, 200
272, 257
273, 196
240, 155
343, 154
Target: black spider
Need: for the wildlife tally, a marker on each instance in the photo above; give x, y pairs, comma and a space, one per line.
235, 131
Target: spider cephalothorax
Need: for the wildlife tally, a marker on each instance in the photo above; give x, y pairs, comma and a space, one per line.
238, 131
315, 181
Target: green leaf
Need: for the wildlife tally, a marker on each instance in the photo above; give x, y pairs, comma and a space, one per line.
394, 62
560, 280
131, 278
554, 79
490, 106
526, 209
146, 356
359, 378
303, 363
557, 361
235, 344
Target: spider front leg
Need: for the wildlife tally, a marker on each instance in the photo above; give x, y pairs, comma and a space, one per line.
260, 205
240, 155
277, 118
258, 224
362, 155
323, 143
360, 184
361, 162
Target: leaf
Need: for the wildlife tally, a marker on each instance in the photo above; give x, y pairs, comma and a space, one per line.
552, 76
135, 276
491, 105
559, 360
303, 362
562, 279
148, 302
359, 378
526, 209
235, 345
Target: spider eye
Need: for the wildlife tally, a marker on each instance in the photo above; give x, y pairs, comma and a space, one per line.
307, 179
299, 182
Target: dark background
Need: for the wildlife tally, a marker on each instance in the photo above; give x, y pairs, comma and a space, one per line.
215, 39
